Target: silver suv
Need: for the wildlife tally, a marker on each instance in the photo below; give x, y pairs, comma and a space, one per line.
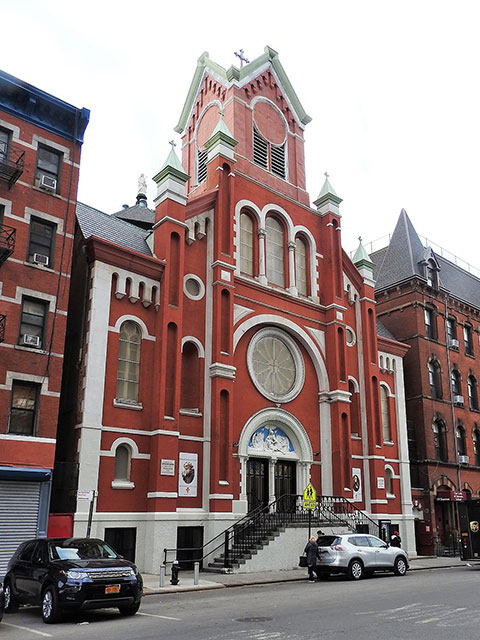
358, 555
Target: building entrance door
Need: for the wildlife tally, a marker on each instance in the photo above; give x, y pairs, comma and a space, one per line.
286, 485
257, 483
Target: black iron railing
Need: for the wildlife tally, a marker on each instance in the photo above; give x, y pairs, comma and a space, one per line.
251, 532
7, 242
12, 162
3, 322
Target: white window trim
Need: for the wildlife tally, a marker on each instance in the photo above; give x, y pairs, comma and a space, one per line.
297, 358
192, 276
128, 317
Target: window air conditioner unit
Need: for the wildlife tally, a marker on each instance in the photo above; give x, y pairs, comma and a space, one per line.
458, 399
31, 341
48, 183
463, 459
39, 258
453, 342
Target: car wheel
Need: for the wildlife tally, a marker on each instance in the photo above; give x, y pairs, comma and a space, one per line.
11, 604
400, 566
355, 570
129, 609
50, 608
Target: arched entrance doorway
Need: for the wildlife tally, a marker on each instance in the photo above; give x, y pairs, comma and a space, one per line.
275, 455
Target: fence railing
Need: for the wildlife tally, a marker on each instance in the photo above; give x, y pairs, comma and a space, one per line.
253, 529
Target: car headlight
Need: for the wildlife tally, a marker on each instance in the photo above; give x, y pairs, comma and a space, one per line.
73, 574
133, 571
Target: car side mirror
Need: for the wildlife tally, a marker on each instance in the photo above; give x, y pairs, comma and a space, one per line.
386, 545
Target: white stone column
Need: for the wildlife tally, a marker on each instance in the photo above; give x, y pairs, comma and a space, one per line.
326, 443
271, 480
95, 362
262, 269
291, 269
408, 535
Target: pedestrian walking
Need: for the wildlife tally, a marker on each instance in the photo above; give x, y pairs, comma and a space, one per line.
395, 540
311, 551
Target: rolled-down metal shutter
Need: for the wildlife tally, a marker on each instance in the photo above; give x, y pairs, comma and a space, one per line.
19, 502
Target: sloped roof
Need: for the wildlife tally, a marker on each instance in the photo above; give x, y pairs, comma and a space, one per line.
239, 77
405, 256
383, 332
136, 213
93, 222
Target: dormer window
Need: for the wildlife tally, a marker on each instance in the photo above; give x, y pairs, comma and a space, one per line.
269, 156
431, 274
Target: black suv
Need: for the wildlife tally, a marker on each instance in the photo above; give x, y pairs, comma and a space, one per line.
71, 573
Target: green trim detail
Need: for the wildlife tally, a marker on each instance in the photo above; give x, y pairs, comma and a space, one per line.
221, 133
361, 257
173, 168
327, 194
237, 76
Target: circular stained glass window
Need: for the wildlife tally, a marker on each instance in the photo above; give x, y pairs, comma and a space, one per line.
275, 365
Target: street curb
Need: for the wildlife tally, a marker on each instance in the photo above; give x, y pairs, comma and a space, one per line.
166, 590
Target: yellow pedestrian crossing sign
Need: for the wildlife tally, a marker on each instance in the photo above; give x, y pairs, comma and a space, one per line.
309, 497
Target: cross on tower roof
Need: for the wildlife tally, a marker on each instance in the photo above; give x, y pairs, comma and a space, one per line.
173, 143
326, 175
242, 57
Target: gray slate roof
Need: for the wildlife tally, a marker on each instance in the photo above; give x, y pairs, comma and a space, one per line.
93, 222
404, 259
136, 214
383, 332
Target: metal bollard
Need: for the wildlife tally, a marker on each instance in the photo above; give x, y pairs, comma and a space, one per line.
175, 568
196, 572
162, 575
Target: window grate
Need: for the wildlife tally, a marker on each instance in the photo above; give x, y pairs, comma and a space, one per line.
278, 160
202, 155
260, 149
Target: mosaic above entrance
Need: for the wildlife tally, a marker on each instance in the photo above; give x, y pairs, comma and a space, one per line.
271, 440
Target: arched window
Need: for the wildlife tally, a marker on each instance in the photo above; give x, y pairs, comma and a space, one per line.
461, 443
434, 379
389, 482
354, 410
123, 456
190, 391
431, 273
455, 380
387, 434
246, 244
472, 392
430, 323
476, 446
301, 266
275, 250
468, 340
439, 441
128, 370
452, 333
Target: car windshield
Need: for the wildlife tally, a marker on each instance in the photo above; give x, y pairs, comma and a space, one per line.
327, 541
74, 549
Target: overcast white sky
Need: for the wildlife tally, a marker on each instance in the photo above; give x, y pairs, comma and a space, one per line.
392, 89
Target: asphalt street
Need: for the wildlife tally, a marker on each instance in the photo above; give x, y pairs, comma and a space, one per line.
424, 604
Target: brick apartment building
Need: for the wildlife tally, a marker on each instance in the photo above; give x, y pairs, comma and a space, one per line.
433, 305
228, 347
40, 141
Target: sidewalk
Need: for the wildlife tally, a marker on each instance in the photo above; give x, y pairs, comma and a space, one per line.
222, 580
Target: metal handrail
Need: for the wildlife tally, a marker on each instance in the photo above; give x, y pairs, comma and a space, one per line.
250, 532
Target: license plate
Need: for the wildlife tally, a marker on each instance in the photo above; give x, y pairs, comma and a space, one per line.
114, 588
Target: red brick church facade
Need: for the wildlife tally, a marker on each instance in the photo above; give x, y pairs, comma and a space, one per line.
230, 351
